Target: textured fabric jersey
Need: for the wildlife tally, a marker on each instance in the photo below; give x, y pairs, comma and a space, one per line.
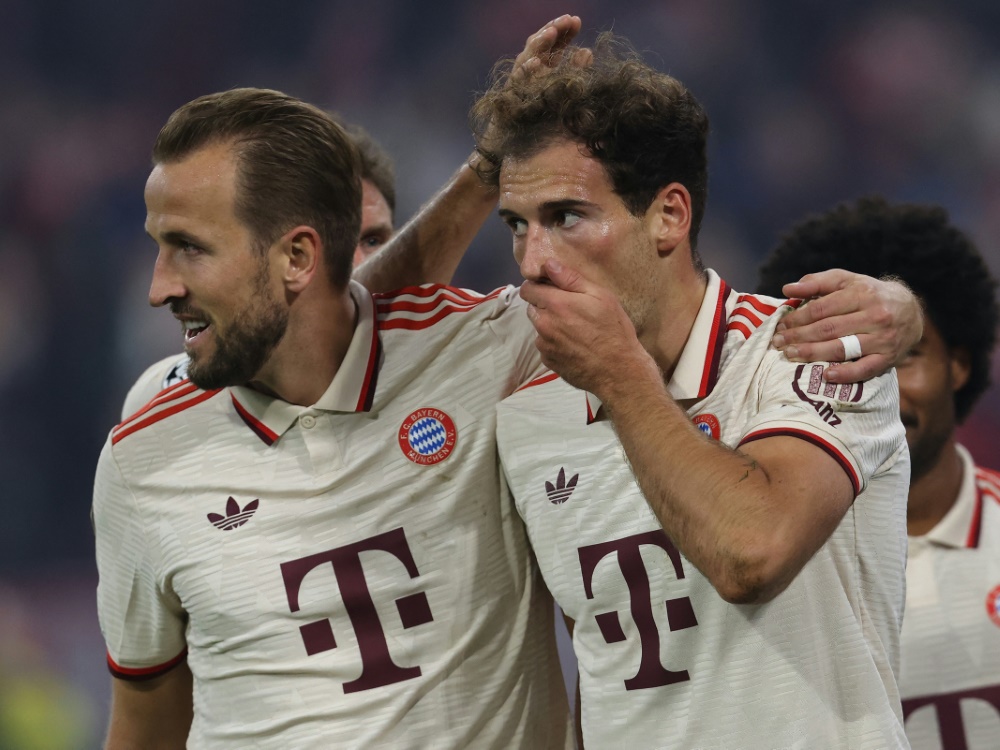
950, 679
157, 377
665, 662
350, 574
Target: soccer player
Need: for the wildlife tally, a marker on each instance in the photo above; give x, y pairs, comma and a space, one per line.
378, 206
381, 597
950, 675
308, 544
378, 193
725, 527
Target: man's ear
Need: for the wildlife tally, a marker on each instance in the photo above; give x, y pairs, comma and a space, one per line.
961, 367
669, 217
301, 252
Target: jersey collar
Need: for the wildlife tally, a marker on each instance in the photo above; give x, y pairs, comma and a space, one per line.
960, 525
697, 369
352, 388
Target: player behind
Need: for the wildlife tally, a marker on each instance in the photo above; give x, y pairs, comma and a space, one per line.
378, 193
950, 676
725, 527
270, 574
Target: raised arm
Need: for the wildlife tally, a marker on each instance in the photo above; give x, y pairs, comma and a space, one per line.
884, 315
431, 244
152, 715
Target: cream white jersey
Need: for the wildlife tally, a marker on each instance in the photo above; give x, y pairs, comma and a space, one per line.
950, 678
664, 661
158, 377
350, 574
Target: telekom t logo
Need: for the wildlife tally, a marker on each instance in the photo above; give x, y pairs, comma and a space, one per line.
680, 614
377, 667
949, 712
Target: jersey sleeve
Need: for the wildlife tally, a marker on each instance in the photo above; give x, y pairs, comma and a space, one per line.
856, 424
163, 374
143, 625
516, 335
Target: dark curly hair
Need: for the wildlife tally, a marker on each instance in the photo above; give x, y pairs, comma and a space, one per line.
915, 244
645, 127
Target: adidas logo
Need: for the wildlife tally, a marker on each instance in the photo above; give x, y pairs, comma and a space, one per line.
234, 517
561, 490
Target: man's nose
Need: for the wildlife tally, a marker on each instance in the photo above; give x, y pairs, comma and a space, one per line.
166, 284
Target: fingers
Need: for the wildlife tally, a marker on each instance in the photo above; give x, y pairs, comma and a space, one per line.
840, 303
862, 369
545, 46
825, 329
830, 349
818, 284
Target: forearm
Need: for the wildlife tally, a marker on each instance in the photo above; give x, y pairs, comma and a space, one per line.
431, 244
718, 505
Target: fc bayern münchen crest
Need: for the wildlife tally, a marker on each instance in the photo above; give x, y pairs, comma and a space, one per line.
708, 424
427, 436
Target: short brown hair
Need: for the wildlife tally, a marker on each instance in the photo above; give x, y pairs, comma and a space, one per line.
376, 164
644, 126
296, 166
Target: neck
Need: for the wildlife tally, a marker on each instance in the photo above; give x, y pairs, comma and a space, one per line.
678, 306
306, 360
934, 493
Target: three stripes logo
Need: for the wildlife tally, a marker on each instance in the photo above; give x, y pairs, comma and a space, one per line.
235, 517
559, 492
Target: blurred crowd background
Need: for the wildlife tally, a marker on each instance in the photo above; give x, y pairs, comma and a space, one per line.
811, 103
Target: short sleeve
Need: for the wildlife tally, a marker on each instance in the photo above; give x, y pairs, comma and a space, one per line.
143, 626
856, 424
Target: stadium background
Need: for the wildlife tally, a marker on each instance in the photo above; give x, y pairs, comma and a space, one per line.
809, 106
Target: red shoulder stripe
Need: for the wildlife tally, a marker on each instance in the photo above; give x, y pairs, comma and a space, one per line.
144, 673
746, 313
739, 326
421, 307
391, 322
757, 304
120, 433
427, 290
177, 390
540, 380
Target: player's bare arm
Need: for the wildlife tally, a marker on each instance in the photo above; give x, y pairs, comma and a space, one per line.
430, 245
154, 714
749, 519
883, 314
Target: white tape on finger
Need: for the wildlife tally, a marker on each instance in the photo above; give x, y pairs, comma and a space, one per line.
852, 347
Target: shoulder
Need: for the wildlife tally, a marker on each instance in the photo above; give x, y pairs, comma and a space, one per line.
164, 374
435, 306
167, 405
548, 394
750, 312
988, 483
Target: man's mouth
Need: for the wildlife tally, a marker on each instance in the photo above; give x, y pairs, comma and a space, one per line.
193, 329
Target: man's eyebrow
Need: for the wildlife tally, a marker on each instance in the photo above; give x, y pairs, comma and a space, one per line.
176, 238
549, 207
565, 203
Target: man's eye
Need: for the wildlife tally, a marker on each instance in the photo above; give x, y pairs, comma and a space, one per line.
188, 249
372, 241
566, 219
518, 226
